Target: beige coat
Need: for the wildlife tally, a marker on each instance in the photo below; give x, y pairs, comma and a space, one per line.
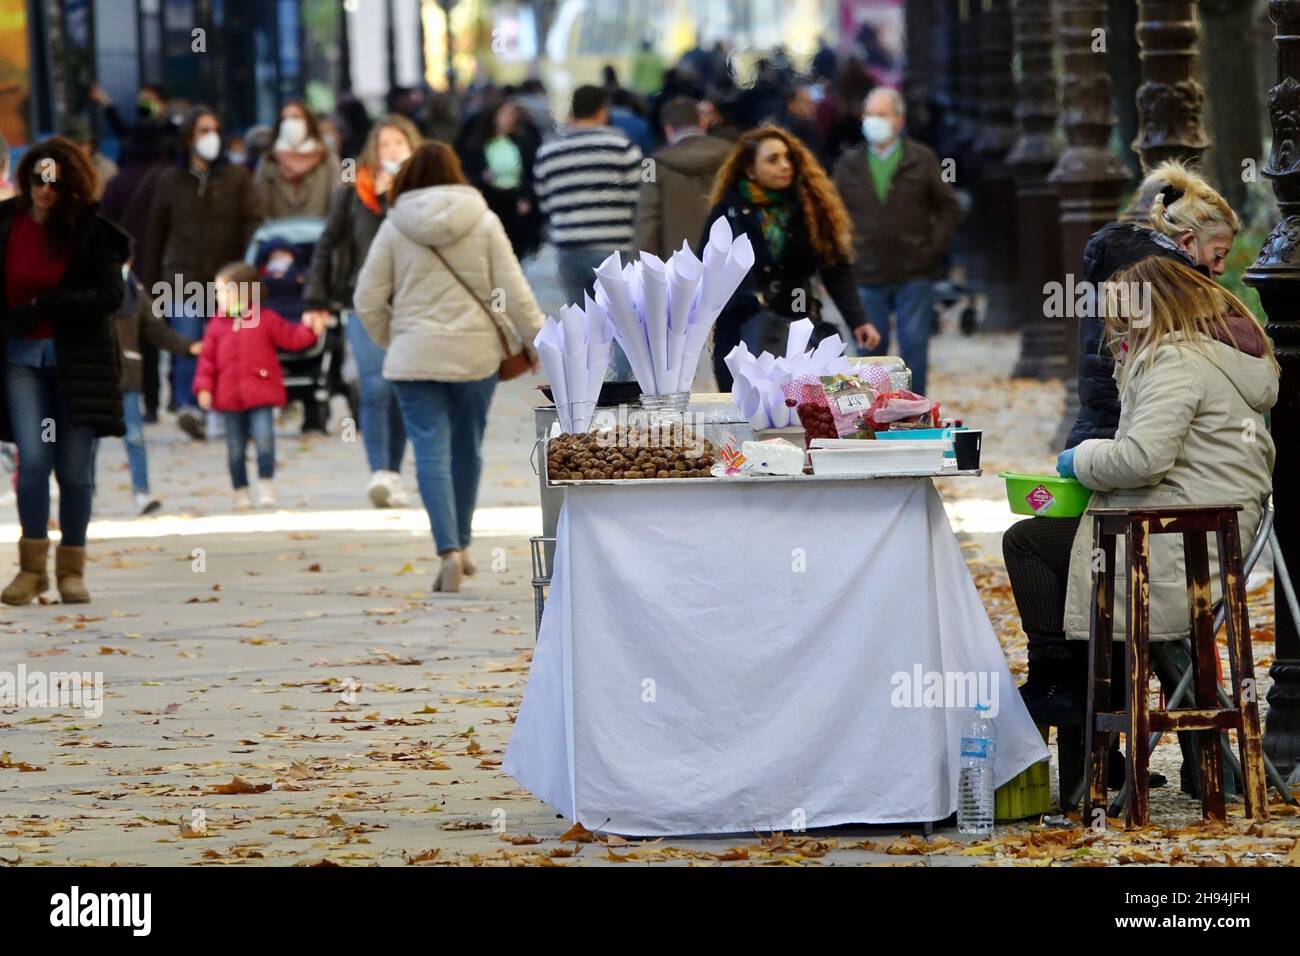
311, 196
1191, 432
426, 320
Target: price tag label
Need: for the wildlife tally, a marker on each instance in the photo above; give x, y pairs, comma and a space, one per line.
854, 402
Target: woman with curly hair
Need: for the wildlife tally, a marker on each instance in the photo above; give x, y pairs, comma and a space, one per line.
772, 189
61, 277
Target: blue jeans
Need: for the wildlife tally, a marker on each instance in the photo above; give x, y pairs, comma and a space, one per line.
446, 421
382, 430
136, 456
578, 276
259, 424
183, 367
48, 441
913, 303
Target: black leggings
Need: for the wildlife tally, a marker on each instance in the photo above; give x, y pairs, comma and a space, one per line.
1037, 555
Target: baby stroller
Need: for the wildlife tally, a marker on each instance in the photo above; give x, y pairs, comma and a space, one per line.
281, 252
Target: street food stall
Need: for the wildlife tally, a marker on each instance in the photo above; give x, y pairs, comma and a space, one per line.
751, 624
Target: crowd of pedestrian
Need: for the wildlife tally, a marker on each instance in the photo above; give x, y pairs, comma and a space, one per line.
425, 215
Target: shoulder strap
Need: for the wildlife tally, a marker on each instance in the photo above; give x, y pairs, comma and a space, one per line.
501, 336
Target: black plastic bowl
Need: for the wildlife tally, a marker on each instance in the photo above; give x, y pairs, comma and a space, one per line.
611, 394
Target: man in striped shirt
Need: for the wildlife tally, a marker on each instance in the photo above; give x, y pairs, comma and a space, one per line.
587, 180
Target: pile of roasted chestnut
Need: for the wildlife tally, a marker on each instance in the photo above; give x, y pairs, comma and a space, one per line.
630, 453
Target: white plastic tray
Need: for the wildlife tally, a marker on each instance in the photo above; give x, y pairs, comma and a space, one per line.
876, 458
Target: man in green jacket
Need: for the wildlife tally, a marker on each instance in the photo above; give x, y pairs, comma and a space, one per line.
904, 214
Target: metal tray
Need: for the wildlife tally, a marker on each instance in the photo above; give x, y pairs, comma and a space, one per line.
752, 479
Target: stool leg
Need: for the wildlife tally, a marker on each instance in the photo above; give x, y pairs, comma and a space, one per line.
1242, 665
1096, 744
1136, 638
1204, 676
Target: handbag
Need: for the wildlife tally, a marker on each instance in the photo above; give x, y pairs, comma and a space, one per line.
514, 364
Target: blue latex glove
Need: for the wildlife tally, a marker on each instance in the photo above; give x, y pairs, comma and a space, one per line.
1065, 464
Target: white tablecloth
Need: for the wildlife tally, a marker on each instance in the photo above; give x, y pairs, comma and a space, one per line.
727, 658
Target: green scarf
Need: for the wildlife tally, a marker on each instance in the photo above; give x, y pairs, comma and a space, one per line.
773, 215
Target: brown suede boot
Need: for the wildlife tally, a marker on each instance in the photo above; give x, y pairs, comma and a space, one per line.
31, 580
69, 572
449, 576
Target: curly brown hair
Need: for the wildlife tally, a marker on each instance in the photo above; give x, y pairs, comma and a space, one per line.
824, 214
77, 183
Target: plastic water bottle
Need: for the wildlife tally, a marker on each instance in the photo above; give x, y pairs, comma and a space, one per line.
975, 788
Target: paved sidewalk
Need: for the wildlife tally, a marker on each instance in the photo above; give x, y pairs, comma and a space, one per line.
281, 687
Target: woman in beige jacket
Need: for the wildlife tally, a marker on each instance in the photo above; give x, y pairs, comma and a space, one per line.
1196, 376
439, 283
299, 172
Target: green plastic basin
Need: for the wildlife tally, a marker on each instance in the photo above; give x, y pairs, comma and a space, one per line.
1046, 496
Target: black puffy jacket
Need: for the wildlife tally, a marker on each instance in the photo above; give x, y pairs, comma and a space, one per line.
89, 360
350, 228
1113, 247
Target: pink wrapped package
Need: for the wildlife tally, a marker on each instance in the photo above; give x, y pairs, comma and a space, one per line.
903, 406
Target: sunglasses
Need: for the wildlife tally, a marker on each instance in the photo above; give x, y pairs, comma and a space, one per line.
38, 180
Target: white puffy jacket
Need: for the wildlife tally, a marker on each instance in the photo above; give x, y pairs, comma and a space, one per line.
409, 304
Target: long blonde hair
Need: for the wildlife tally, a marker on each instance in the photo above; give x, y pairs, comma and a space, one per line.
1182, 302
370, 151
1182, 201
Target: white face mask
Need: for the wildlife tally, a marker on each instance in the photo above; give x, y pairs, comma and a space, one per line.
293, 130
391, 166
208, 146
877, 130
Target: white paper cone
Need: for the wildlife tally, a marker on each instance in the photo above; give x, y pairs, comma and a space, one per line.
615, 294
550, 350
654, 311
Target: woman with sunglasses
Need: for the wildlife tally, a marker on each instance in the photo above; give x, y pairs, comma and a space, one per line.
61, 280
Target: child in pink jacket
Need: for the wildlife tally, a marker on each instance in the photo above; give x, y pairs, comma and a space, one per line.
239, 375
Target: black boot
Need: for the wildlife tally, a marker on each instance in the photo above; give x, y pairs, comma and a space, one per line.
1053, 693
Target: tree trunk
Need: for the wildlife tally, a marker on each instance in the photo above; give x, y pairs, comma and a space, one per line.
1126, 73
1235, 127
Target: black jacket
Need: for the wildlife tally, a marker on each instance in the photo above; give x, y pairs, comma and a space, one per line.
772, 285
1113, 247
89, 367
350, 228
524, 229
135, 320
775, 285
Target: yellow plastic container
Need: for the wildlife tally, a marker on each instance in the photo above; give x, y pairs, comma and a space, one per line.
1028, 794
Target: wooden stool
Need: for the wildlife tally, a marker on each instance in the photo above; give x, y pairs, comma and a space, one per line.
1205, 716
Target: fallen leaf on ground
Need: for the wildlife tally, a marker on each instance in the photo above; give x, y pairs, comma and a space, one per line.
240, 785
